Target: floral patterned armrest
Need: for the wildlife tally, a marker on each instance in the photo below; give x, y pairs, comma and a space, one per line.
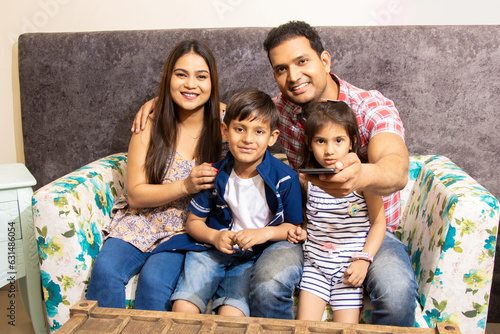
450, 227
69, 214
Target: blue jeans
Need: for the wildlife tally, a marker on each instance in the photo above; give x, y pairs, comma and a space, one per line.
211, 273
390, 283
274, 279
118, 261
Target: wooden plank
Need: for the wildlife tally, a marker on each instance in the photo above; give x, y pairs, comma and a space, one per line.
87, 317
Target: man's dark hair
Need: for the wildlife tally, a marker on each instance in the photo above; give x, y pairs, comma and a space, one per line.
253, 104
291, 30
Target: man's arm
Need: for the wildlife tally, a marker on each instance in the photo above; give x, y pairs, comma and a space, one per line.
385, 173
387, 170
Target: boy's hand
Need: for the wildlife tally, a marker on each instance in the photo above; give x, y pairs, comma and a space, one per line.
355, 274
296, 235
224, 241
245, 239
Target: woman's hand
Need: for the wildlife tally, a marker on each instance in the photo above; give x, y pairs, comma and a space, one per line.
202, 177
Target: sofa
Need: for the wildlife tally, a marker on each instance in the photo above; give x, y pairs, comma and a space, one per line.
80, 92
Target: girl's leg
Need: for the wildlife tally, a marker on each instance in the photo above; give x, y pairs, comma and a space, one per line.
157, 281
348, 316
116, 263
311, 307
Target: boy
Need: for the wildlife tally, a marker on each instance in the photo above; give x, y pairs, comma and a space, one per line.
255, 201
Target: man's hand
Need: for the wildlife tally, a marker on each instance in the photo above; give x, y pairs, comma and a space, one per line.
224, 242
143, 115
341, 183
296, 235
355, 274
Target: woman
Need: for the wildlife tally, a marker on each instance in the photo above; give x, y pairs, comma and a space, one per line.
167, 164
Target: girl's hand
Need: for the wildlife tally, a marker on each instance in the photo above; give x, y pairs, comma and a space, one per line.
355, 274
296, 235
224, 242
202, 177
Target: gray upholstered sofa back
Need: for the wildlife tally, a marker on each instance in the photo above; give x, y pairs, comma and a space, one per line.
80, 91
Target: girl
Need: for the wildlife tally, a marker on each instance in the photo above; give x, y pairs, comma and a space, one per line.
164, 170
340, 243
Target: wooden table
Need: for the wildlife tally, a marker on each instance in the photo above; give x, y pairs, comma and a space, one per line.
87, 317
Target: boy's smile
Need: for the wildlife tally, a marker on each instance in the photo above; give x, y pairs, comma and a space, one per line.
248, 141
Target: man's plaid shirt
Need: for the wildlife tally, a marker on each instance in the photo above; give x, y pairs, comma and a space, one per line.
375, 114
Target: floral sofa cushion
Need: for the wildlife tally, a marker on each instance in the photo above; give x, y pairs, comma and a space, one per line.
449, 225
69, 215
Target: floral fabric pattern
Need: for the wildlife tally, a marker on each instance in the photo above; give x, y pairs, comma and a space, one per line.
69, 215
449, 223
147, 228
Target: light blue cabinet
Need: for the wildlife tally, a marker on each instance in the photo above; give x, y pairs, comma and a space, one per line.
19, 256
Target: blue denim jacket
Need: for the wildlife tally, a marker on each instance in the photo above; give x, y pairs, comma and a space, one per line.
283, 195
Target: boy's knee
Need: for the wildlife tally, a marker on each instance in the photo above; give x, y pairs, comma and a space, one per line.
185, 307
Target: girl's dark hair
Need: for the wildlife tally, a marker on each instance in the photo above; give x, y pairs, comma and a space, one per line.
320, 114
166, 120
252, 103
291, 30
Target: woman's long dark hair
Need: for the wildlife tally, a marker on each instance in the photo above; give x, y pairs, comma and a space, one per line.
337, 112
166, 120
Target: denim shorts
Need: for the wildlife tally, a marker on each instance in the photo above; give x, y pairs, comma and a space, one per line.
213, 274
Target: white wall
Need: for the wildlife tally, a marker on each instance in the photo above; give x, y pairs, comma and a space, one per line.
92, 15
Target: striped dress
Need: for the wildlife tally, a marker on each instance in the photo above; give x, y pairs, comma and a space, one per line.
337, 228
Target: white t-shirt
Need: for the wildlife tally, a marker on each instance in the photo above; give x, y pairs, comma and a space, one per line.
247, 200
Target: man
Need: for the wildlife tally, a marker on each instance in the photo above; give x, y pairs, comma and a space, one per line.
301, 69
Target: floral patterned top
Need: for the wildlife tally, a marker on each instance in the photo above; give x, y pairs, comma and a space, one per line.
147, 228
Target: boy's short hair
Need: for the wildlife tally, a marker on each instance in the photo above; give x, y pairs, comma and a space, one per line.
253, 104
291, 30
